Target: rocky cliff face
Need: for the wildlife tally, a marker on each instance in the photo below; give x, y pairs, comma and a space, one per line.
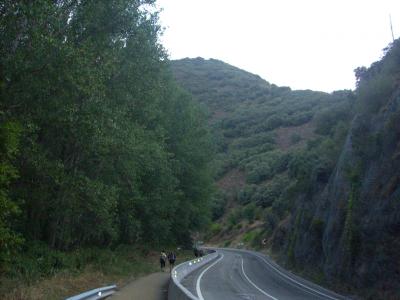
350, 227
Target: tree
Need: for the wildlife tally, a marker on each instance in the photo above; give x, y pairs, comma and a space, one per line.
9, 140
111, 151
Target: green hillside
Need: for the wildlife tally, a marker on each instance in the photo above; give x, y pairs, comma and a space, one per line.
266, 136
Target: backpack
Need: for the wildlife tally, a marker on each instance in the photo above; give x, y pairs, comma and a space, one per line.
171, 256
163, 256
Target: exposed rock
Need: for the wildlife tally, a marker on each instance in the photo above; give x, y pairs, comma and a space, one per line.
358, 212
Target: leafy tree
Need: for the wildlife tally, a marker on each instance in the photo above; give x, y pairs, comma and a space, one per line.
111, 151
9, 140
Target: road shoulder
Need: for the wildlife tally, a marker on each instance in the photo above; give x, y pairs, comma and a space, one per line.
150, 287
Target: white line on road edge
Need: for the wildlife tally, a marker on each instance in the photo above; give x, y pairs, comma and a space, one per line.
253, 284
295, 281
198, 290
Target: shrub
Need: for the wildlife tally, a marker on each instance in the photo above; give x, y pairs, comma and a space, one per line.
249, 212
249, 236
245, 195
271, 220
235, 217
215, 228
218, 205
253, 238
295, 138
238, 226
327, 119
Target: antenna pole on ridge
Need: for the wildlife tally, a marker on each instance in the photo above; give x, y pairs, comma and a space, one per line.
391, 27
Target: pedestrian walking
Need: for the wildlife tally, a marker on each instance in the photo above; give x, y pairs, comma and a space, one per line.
171, 259
163, 259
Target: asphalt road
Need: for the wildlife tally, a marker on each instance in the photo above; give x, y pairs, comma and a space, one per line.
240, 274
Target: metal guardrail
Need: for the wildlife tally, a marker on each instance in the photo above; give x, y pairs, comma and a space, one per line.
100, 293
176, 290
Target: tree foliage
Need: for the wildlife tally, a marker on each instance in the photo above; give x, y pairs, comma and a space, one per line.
110, 150
9, 146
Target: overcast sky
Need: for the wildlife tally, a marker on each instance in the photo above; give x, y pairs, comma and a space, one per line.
309, 44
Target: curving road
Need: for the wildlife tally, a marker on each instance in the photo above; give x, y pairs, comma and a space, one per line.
241, 274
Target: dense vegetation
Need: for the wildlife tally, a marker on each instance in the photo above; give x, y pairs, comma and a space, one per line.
312, 176
98, 146
275, 136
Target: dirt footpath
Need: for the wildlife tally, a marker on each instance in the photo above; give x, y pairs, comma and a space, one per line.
151, 287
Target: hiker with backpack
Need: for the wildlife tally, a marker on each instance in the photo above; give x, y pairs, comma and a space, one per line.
171, 259
163, 258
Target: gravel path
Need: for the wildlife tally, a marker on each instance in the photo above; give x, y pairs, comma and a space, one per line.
151, 287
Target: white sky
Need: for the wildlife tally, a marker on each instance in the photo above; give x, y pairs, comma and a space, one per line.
304, 44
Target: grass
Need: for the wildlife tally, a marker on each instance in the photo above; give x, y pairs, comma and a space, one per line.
77, 272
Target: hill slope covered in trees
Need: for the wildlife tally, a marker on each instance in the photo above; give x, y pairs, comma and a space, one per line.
309, 175
263, 132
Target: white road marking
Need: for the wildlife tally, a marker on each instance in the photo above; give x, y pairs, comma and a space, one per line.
295, 281
198, 290
253, 284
